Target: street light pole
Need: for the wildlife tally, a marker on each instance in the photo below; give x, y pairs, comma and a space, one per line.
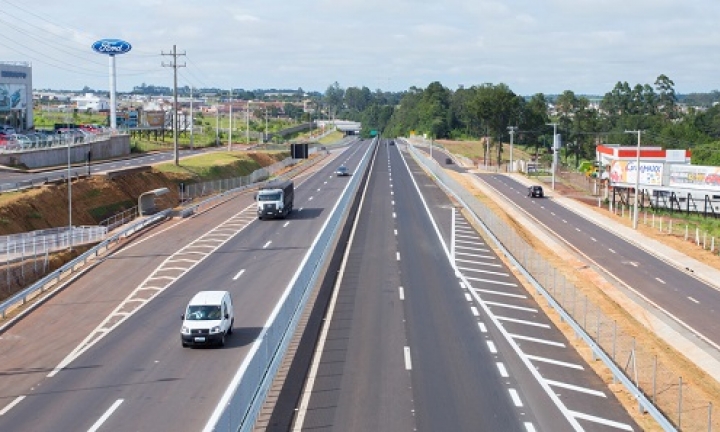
217, 123
512, 134
637, 178
247, 123
69, 176
191, 119
230, 128
554, 153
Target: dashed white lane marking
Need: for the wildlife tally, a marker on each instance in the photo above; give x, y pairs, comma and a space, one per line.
318, 190
515, 397
462, 285
392, 202
606, 422
660, 280
106, 416
487, 272
402, 293
408, 360
392, 193
483, 329
693, 300
491, 281
267, 244
394, 215
397, 255
11, 405
501, 293
577, 229
509, 306
554, 362
593, 239
536, 340
237, 276
634, 264
491, 347
395, 231
575, 388
503, 371
524, 322
611, 251
475, 311
286, 224
529, 427
564, 221
468, 297
310, 199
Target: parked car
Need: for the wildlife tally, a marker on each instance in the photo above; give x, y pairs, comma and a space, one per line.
342, 171
7, 130
535, 192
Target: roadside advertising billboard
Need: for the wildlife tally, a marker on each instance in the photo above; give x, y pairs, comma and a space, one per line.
13, 97
155, 118
624, 173
694, 177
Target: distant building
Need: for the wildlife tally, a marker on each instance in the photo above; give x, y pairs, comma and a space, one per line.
92, 102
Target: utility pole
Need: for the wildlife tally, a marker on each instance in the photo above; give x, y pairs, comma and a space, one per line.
192, 147
247, 123
637, 177
174, 64
266, 125
217, 123
512, 130
230, 128
555, 148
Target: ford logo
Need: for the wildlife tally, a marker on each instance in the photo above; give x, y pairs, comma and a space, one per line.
111, 46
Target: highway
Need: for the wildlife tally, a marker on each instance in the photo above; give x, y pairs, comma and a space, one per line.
428, 330
105, 353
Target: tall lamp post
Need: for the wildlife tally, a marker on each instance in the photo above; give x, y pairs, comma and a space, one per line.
637, 178
230, 128
512, 130
247, 123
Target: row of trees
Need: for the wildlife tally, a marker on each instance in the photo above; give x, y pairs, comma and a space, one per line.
488, 110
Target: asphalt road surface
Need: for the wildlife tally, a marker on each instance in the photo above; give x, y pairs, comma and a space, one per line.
105, 353
428, 330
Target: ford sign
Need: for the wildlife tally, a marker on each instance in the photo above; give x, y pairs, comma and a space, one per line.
111, 46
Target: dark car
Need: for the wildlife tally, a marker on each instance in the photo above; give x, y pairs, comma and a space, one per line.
535, 191
342, 171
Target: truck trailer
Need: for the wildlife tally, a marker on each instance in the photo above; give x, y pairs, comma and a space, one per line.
275, 199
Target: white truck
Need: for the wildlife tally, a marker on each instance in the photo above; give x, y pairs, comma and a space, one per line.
275, 199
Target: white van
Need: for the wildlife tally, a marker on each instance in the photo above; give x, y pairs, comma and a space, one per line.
208, 319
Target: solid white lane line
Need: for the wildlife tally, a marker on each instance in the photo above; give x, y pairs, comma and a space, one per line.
540, 341
475, 311
397, 255
483, 329
510, 306
408, 360
267, 244
402, 293
660, 280
554, 362
501, 293
11, 405
515, 398
239, 274
105, 416
503, 371
491, 281
488, 272
600, 420
286, 224
491, 347
693, 300
575, 388
524, 322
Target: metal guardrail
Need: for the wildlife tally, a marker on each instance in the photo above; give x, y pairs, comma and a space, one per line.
503, 237
238, 410
55, 277
48, 240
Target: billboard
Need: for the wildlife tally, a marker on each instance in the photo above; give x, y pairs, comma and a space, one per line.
625, 172
13, 97
694, 176
155, 119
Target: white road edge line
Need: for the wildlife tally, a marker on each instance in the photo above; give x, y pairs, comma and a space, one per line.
11, 405
106, 416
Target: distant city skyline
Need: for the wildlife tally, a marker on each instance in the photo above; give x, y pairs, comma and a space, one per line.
586, 46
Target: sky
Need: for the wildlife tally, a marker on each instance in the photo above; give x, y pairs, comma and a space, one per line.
533, 46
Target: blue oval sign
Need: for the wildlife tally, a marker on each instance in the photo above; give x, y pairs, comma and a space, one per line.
111, 46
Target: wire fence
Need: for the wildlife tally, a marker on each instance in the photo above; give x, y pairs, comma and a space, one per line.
681, 402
